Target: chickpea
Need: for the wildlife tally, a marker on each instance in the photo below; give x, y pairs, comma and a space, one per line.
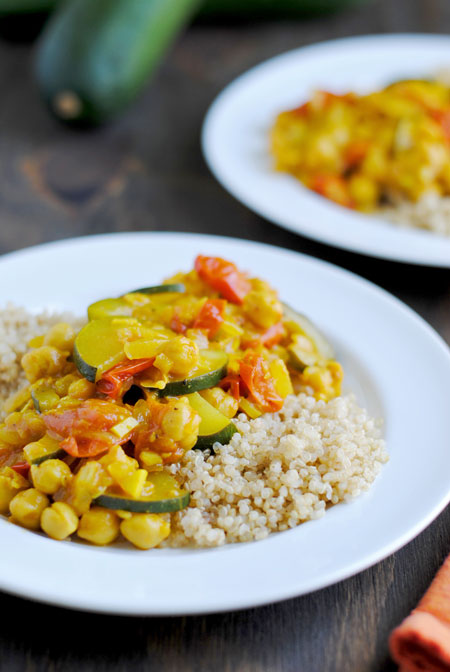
43, 361
59, 521
183, 353
50, 476
27, 507
263, 307
81, 389
10, 484
99, 526
180, 423
145, 530
60, 336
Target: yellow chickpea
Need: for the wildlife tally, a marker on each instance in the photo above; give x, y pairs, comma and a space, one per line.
43, 361
81, 389
263, 307
26, 508
50, 476
145, 530
183, 353
180, 423
99, 526
60, 336
59, 521
10, 484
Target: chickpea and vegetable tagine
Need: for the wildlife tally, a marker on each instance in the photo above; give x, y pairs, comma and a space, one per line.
93, 443
386, 151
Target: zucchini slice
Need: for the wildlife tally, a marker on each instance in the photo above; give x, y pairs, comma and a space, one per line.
98, 347
44, 449
176, 288
223, 437
109, 308
305, 326
44, 398
214, 425
214, 362
161, 494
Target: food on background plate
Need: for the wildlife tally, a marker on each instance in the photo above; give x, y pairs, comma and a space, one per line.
201, 406
386, 152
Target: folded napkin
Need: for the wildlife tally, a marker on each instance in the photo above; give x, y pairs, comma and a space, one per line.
422, 642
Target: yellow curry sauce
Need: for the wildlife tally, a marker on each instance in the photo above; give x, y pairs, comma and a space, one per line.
366, 151
87, 444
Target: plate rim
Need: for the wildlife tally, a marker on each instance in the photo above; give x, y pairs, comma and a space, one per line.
267, 212
268, 597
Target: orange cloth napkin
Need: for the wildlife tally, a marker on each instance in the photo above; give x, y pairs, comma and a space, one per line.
422, 642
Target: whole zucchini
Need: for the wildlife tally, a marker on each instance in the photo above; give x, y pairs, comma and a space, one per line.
95, 56
216, 8
272, 9
8, 7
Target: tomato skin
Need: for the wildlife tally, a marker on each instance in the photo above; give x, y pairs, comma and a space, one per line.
210, 316
224, 277
232, 383
111, 381
333, 187
176, 323
272, 336
84, 431
254, 373
22, 468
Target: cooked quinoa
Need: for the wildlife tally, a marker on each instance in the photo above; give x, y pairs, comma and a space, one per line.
430, 213
17, 328
279, 470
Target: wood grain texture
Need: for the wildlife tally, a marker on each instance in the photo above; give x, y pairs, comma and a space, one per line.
146, 172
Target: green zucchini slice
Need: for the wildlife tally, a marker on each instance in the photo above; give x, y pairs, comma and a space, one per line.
108, 308
223, 437
215, 365
44, 449
98, 346
163, 495
214, 426
305, 326
176, 288
44, 398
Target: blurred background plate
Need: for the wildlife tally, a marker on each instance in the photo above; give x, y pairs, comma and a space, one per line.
236, 139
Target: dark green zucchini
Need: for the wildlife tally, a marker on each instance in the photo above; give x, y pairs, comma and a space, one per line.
305, 326
223, 437
11, 7
44, 398
96, 56
175, 287
98, 345
271, 9
161, 494
218, 371
217, 8
118, 502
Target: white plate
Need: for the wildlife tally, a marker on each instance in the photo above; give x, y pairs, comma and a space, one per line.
397, 364
236, 145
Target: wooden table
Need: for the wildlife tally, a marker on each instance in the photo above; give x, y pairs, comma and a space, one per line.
146, 172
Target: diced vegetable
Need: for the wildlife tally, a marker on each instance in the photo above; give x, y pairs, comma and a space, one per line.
214, 361
161, 494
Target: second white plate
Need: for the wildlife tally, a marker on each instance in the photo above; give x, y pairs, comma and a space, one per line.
236, 139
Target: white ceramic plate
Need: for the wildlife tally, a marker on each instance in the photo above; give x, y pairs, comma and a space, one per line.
395, 362
236, 139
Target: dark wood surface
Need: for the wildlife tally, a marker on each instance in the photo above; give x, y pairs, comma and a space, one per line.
146, 172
